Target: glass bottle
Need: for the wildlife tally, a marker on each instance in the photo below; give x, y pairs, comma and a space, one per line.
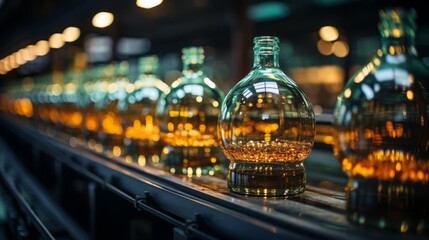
142, 136
54, 91
382, 132
43, 104
112, 132
91, 124
70, 114
266, 128
97, 91
188, 118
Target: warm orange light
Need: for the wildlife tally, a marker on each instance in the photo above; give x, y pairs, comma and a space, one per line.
71, 34
410, 95
341, 49
324, 47
347, 93
112, 124
31, 49
328, 33
56, 40
42, 48
102, 19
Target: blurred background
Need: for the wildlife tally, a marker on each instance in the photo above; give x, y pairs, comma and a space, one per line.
323, 42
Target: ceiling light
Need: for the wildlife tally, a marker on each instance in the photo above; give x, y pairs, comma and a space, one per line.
71, 34
148, 3
56, 40
102, 19
329, 33
341, 49
42, 48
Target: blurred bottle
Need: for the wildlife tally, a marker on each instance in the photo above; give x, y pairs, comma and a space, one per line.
42, 97
141, 125
382, 132
266, 128
96, 90
112, 132
54, 91
188, 119
70, 113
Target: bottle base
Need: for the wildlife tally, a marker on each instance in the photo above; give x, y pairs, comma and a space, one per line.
394, 205
192, 160
267, 179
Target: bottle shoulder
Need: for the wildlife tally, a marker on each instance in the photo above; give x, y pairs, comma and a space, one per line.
194, 85
403, 71
266, 80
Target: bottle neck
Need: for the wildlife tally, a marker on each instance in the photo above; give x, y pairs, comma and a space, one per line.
266, 52
267, 59
397, 28
193, 61
192, 67
398, 45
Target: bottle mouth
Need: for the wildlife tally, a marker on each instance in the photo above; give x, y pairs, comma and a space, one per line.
193, 55
193, 51
266, 40
266, 44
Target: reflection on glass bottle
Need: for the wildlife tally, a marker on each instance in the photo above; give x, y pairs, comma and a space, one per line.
112, 132
382, 132
142, 136
188, 118
266, 128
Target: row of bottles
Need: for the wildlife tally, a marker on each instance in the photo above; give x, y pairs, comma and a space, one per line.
145, 118
265, 125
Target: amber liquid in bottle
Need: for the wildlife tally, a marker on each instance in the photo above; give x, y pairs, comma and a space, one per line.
142, 135
111, 134
267, 164
191, 141
382, 133
188, 120
141, 124
266, 128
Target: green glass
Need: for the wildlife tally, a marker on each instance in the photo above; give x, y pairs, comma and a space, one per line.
266, 128
382, 132
188, 119
142, 135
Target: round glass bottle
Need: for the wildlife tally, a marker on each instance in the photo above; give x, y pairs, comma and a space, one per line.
382, 132
266, 128
142, 136
188, 119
